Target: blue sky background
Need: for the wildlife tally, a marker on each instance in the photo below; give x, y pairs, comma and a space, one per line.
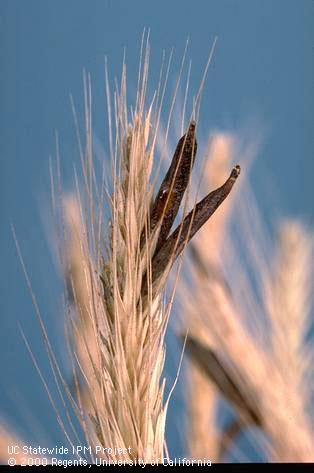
262, 73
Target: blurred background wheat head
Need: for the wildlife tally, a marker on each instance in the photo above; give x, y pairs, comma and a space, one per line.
249, 319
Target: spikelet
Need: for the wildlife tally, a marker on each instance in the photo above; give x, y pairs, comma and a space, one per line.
118, 340
116, 281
